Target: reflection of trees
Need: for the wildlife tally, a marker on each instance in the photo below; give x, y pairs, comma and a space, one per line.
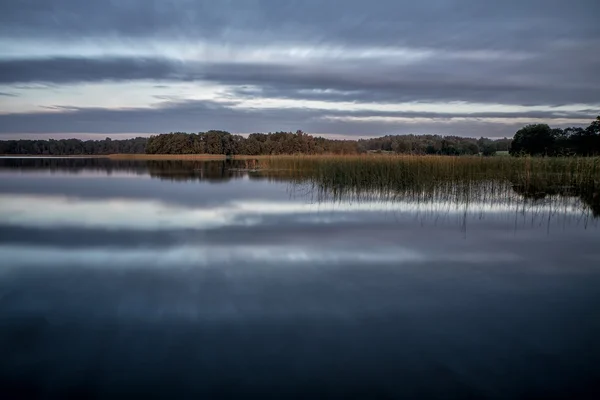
176, 170
588, 193
345, 182
592, 199
73, 165
212, 171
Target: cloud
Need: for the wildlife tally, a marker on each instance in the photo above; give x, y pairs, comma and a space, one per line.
433, 81
540, 79
435, 23
191, 116
249, 53
62, 70
202, 115
151, 215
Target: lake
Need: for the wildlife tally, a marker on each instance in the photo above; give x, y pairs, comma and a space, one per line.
184, 279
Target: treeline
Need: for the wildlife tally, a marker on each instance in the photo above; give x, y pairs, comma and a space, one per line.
541, 140
537, 139
434, 144
73, 147
220, 142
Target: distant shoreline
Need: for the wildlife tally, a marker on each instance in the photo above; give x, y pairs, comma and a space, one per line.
128, 156
217, 157
157, 157
204, 156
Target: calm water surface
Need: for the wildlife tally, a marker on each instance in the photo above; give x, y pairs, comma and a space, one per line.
184, 279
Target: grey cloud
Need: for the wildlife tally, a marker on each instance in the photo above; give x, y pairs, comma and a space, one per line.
193, 116
562, 75
543, 79
62, 70
520, 52
397, 87
434, 23
182, 116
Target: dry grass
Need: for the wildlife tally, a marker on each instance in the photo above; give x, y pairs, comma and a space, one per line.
422, 178
192, 157
405, 167
166, 156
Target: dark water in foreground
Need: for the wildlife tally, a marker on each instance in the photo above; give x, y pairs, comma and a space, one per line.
190, 280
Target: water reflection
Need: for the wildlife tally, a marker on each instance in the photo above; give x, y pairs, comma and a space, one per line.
174, 279
176, 170
539, 200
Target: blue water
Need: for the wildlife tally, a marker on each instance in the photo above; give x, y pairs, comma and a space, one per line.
192, 280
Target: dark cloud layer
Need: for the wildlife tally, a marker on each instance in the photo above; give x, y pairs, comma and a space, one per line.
452, 24
534, 80
73, 70
515, 52
530, 82
194, 116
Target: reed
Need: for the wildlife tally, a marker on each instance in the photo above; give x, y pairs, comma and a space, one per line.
452, 179
402, 170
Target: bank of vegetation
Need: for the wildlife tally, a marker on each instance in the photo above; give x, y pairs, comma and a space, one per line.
542, 140
73, 147
537, 140
278, 143
458, 180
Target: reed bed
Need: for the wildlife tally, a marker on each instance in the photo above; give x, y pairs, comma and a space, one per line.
458, 180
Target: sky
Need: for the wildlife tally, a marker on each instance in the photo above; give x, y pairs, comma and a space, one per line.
343, 69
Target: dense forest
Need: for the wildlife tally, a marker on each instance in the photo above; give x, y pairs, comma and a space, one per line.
219, 142
73, 147
541, 140
537, 139
434, 144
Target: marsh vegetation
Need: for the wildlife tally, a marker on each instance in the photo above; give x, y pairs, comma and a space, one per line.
455, 179
459, 181
290, 261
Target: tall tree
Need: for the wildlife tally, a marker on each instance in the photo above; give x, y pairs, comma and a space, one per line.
535, 139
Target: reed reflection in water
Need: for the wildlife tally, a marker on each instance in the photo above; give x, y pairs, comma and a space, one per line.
299, 278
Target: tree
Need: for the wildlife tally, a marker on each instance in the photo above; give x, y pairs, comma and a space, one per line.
70, 147
592, 138
535, 139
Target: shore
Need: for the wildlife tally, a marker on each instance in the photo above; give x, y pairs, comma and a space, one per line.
191, 156
134, 156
